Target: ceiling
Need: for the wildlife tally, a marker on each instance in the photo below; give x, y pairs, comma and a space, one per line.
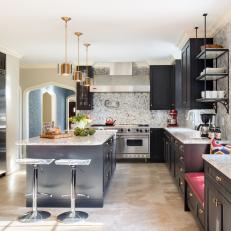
119, 30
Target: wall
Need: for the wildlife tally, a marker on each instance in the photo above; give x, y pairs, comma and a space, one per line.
35, 120
133, 109
12, 112
223, 37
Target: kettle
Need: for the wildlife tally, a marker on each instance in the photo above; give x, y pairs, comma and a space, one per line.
110, 121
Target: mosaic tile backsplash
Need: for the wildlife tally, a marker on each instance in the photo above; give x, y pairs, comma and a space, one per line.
128, 108
223, 37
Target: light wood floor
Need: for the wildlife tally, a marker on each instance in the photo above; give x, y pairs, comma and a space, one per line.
141, 197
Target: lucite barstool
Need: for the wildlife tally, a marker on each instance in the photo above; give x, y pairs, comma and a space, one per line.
34, 215
73, 215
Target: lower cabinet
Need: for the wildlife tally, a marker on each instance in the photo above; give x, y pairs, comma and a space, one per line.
109, 162
218, 201
156, 145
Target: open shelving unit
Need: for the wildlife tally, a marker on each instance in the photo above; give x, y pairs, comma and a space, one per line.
213, 54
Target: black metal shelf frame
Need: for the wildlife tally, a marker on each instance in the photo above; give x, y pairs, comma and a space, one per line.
217, 53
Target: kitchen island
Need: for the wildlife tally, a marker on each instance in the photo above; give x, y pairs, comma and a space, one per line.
92, 180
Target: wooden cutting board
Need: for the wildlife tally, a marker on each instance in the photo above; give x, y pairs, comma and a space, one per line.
54, 136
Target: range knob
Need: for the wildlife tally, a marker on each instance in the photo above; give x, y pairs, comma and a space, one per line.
137, 130
146, 130
129, 130
121, 130
141, 130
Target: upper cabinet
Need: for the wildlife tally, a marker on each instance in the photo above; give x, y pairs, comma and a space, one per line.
2, 61
191, 69
162, 87
178, 84
84, 98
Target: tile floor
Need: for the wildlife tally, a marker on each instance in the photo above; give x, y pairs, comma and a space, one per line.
141, 197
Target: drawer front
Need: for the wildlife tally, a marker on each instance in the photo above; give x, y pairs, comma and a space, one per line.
192, 202
218, 178
201, 215
181, 184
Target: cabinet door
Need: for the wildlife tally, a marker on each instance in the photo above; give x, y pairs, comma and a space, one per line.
178, 84
156, 145
83, 97
2, 61
219, 210
162, 93
185, 75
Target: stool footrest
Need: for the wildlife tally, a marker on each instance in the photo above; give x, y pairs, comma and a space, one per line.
39, 194
78, 195
31, 216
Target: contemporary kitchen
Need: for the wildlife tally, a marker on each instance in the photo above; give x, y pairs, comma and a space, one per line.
114, 115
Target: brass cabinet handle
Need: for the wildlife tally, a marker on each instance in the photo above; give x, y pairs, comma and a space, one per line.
216, 202
190, 194
181, 169
181, 183
201, 211
218, 179
181, 157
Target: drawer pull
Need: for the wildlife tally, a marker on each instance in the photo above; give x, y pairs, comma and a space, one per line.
181, 158
218, 179
181, 183
190, 194
201, 211
216, 202
181, 169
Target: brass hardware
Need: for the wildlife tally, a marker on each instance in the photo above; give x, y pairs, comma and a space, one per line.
87, 81
201, 211
66, 18
78, 75
218, 179
65, 69
190, 194
181, 183
181, 158
181, 169
216, 202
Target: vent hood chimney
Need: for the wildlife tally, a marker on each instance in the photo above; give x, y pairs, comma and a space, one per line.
121, 68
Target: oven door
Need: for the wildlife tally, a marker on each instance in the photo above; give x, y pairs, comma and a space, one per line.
132, 144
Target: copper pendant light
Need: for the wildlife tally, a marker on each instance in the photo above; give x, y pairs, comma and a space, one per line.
87, 81
65, 69
78, 75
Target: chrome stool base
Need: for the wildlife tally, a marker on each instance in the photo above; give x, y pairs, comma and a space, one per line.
68, 217
31, 216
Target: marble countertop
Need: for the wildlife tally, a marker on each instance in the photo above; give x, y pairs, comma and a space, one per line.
220, 162
190, 136
98, 138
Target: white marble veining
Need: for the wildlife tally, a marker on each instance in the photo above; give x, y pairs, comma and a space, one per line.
220, 162
190, 136
98, 138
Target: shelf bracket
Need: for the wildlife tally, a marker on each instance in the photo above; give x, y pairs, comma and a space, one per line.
226, 105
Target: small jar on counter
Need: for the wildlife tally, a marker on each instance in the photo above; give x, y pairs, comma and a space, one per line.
218, 133
212, 132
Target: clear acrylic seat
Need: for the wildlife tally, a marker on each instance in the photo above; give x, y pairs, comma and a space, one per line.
73, 162
35, 215
73, 215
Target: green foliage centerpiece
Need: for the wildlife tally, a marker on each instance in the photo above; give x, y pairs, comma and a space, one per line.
80, 122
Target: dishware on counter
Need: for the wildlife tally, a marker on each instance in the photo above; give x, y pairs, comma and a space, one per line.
218, 133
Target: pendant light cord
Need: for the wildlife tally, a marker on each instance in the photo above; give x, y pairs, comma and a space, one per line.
78, 55
65, 41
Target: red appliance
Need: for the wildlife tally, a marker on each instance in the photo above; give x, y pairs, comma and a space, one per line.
172, 118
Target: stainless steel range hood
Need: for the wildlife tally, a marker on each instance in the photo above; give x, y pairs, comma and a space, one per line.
120, 68
120, 88
121, 77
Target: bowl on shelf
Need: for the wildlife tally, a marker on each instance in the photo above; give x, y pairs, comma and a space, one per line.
216, 46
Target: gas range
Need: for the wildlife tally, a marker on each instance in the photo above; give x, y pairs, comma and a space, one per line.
133, 128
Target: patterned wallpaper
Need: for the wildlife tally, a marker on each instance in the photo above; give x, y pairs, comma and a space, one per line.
223, 37
133, 109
